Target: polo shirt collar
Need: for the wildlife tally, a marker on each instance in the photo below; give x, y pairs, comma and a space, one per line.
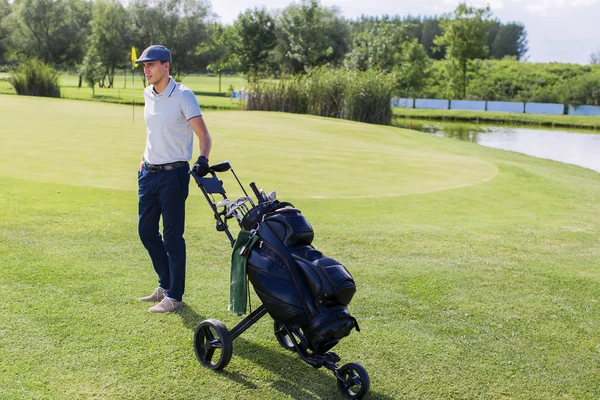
168, 90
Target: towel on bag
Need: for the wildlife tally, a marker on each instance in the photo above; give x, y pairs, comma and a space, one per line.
238, 288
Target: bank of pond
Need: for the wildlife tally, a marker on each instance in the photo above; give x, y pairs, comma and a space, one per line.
571, 146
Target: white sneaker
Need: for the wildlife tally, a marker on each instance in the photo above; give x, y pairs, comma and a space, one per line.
166, 305
157, 295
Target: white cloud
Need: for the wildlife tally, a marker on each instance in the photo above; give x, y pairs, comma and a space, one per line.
558, 30
543, 6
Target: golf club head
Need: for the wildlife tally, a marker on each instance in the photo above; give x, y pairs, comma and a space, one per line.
224, 203
272, 196
238, 206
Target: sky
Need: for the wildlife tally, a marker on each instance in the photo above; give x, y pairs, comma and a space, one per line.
565, 31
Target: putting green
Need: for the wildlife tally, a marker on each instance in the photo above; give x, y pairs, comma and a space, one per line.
54, 140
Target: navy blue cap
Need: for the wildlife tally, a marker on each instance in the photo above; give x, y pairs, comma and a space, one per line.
155, 53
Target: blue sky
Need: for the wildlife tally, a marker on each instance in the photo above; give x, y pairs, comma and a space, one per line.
558, 30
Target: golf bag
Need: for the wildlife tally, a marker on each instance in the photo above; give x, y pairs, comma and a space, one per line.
297, 284
305, 293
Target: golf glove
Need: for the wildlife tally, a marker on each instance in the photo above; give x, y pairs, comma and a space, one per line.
201, 167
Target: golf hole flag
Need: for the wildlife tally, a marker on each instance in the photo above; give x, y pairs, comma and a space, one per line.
133, 57
133, 66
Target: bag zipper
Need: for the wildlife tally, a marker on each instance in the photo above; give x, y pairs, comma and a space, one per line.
272, 248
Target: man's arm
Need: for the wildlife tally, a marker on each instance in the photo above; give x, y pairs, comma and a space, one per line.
204, 139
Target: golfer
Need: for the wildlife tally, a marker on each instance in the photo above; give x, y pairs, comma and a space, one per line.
172, 117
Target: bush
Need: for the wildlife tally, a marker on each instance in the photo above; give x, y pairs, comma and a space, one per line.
336, 93
34, 78
583, 90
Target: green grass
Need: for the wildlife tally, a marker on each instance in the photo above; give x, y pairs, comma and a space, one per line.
478, 270
576, 121
206, 88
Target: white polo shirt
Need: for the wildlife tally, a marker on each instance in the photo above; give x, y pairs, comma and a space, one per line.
170, 136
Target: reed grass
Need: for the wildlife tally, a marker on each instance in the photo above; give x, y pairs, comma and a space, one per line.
35, 78
326, 92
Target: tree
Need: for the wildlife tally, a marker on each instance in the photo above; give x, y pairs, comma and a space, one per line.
311, 35
187, 28
413, 68
510, 40
431, 29
379, 47
82, 17
5, 10
465, 36
92, 70
50, 30
583, 89
220, 49
595, 57
110, 39
180, 25
256, 39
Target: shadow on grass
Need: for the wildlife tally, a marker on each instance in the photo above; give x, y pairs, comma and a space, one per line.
190, 317
101, 97
292, 370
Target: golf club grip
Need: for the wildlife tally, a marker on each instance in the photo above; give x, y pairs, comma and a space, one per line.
256, 192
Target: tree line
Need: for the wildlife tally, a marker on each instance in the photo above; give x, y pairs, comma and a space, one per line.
433, 55
302, 35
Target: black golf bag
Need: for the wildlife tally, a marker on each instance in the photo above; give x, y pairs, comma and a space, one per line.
296, 283
305, 292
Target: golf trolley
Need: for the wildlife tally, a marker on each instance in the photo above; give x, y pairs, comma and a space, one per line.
312, 339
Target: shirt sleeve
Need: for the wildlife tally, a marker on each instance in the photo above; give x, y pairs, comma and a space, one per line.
189, 105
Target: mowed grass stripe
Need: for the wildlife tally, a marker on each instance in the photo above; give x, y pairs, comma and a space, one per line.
485, 291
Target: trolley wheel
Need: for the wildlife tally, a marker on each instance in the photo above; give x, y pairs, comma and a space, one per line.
283, 339
212, 344
354, 382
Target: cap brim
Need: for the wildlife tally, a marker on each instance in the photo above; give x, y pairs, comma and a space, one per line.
141, 60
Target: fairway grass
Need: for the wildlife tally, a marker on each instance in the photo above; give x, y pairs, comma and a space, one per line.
477, 269
206, 88
96, 144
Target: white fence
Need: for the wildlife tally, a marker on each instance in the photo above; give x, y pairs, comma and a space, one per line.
506, 106
467, 105
544, 108
584, 110
500, 106
431, 103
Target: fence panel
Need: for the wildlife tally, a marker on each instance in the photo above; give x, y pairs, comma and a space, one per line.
431, 103
544, 108
476, 105
404, 103
584, 110
467, 105
506, 106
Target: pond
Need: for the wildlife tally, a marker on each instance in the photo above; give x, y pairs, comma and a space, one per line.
578, 147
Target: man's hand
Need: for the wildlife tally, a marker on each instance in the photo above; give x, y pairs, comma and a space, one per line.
201, 167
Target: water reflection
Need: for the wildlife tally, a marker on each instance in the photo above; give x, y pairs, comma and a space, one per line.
468, 132
569, 146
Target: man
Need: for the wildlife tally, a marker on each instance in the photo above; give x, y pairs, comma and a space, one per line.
172, 117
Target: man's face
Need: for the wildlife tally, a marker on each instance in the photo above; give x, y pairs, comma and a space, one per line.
155, 71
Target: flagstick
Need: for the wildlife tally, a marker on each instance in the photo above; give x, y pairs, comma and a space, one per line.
133, 92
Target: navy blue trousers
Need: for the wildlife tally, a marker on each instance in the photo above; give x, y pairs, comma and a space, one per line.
164, 194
